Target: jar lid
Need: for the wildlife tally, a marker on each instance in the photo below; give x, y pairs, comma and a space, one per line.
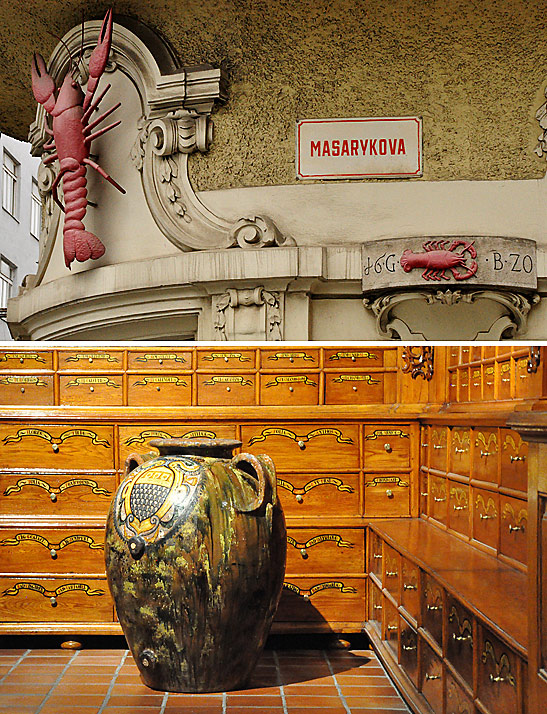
216, 448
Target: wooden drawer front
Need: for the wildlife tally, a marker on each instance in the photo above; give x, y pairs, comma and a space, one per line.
340, 599
458, 507
460, 451
457, 701
438, 448
504, 390
465, 355
91, 360
459, 645
156, 359
424, 446
438, 500
514, 528
375, 598
410, 596
475, 384
51, 550
158, 390
391, 626
387, 495
409, 649
55, 600
56, 494
453, 356
485, 516
489, 378
135, 438
301, 446
287, 389
392, 572
226, 389
527, 384
26, 389
57, 446
463, 384
25, 359
375, 554
313, 495
424, 492
226, 359
324, 550
485, 455
514, 461
453, 385
432, 608
289, 359
498, 684
431, 677
354, 358
100, 390
353, 388
387, 447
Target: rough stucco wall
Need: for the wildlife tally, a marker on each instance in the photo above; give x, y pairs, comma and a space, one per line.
474, 69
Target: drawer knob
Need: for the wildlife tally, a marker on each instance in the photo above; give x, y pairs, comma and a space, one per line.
299, 498
228, 389
55, 448
291, 359
433, 608
90, 360
392, 573
391, 628
291, 389
424, 493
498, 678
23, 390
438, 446
485, 517
462, 638
160, 361
486, 453
506, 379
377, 607
53, 497
306, 598
459, 508
354, 389
353, 358
53, 601
53, 553
431, 677
158, 389
388, 448
424, 446
517, 458
459, 451
21, 360
301, 445
389, 493
516, 528
378, 556
92, 389
409, 648
409, 586
439, 500
304, 553
226, 359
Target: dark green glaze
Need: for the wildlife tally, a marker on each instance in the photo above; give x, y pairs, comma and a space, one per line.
197, 604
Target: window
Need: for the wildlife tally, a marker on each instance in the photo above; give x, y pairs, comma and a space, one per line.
9, 193
7, 271
35, 210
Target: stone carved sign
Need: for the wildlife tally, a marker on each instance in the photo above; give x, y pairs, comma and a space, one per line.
439, 261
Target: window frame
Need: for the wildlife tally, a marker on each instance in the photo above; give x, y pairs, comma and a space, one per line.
10, 178
35, 210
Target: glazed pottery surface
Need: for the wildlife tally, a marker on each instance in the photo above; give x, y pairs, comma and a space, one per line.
195, 558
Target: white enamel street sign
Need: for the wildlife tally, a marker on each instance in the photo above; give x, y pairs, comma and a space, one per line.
389, 147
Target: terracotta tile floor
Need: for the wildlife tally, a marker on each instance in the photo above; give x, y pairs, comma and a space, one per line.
106, 681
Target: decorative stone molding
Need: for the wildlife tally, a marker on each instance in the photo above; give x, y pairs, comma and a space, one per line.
248, 313
541, 116
418, 361
502, 315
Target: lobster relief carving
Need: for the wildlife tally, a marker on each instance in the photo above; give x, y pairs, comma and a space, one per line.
437, 260
72, 134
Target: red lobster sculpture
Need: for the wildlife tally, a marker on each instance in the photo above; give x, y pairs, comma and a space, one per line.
72, 137
436, 260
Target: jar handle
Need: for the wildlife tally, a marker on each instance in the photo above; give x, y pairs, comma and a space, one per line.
262, 469
133, 460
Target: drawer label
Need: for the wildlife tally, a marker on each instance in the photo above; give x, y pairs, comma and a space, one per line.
24, 380
324, 481
291, 355
330, 585
89, 356
379, 480
42, 434
93, 380
157, 434
22, 482
229, 379
37, 538
149, 357
177, 381
334, 537
37, 587
303, 378
278, 431
353, 355
230, 355
4, 356
368, 378
377, 433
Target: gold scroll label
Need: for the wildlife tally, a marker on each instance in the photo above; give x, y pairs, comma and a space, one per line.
93, 380
4, 357
349, 355
36, 587
229, 379
37, 538
332, 537
222, 355
291, 355
42, 434
324, 481
303, 378
149, 357
92, 355
24, 380
165, 380
279, 431
156, 434
368, 378
377, 433
22, 482
379, 480
330, 585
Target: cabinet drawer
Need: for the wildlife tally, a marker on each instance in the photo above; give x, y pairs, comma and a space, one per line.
375, 554
514, 528
489, 380
409, 649
424, 492
55, 600
391, 626
438, 501
475, 384
91, 360
56, 493
375, 605
485, 516
318, 599
424, 446
312, 495
463, 384
226, 359
56, 446
431, 678
453, 385
99, 390
387, 447
498, 684
166, 361
457, 701
453, 356
410, 596
226, 389
287, 389
354, 358
514, 461
432, 608
392, 572
527, 384
460, 452
504, 389
387, 496
51, 550
458, 507
135, 438
438, 437
157, 390
25, 359
28, 389
315, 550
353, 388
289, 359
459, 645
485, 455
305, 446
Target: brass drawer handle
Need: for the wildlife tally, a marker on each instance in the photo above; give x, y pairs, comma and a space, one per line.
409, 648
431, 677
462, 638
516, 528
485, 517
391, 628
438, 446
498, 678
53, 601
459, 508
433, 607
55, 448
388, 448
389, 493
506, 379
486, 453
53, 553
299, 498
459, 451
424, 446
377, 607
304, 553
391, 573
301, 445
53, 497
439, 500
424, 493
512, 459
409, 586
377, 556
